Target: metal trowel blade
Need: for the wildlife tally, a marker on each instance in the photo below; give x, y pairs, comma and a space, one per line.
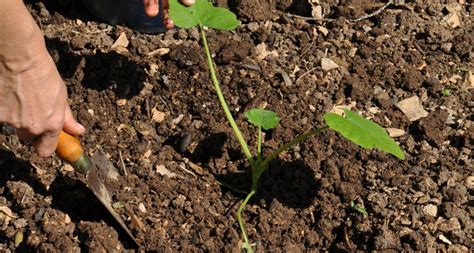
104, 196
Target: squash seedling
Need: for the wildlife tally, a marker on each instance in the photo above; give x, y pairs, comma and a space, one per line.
353, 127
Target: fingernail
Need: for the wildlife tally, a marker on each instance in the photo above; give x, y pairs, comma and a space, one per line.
81, 127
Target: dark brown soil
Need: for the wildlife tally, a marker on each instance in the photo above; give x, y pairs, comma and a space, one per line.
421, 204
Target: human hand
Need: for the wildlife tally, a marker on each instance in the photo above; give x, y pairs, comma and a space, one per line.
152, 9
34, 101
33, 97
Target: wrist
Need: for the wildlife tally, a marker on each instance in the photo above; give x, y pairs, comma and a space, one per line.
21, 41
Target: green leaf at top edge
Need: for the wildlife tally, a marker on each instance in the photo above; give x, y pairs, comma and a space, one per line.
363, 132
202, 12
262, 118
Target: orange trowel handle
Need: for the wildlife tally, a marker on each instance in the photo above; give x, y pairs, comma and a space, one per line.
70, 150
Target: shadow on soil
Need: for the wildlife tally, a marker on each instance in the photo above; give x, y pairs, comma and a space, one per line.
70, 9
69, 195
123, 76
291, 183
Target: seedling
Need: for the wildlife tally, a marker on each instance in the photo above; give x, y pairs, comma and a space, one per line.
354, 207
357, 129
446, 92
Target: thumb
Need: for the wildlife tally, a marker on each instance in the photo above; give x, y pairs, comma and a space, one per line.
71, 126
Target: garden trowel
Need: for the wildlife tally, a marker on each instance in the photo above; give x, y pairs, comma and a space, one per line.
70, 150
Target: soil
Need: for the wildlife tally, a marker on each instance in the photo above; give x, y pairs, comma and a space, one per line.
147, 109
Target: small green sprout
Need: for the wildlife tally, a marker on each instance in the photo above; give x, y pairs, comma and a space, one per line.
118, 205
357, 129
446, 92
354, 207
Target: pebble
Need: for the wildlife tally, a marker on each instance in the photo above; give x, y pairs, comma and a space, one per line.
20, 223
446, 47
142, 208
430, 210
469, 181
444, 239
412, 108
395, 132
253, 26
328, 64
449, 225
179, 201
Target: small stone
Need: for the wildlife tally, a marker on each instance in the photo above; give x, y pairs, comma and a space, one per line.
449, 225
91, 112
160, 51
121, 42
179, 201
328, 64
446, 47
67, 219
412, 108
430, 210
395, 132
162, 170
142, 208
261, 52
253, 26
20, 223
121, 102
453, 20
323, 30
317, 11
67, 168
444, 239
469, 181
158, 116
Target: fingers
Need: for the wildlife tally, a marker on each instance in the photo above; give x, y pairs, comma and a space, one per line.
45, 144
151, 7
71, 126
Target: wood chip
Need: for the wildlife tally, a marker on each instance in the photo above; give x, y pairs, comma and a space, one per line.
162, 170
196, 168
160, 51
261, 52
412, 108
444, 239
323, 30
328, 64
395, 132
471, 79
137, 223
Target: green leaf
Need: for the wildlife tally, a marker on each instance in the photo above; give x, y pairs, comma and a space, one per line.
262, 118
358, 209
117, 205
363, 132
202, 12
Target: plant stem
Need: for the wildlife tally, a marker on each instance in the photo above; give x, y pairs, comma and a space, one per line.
241, 223
228, 114
263, 165
259, 144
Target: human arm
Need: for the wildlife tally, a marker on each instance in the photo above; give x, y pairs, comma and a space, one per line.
33, 97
